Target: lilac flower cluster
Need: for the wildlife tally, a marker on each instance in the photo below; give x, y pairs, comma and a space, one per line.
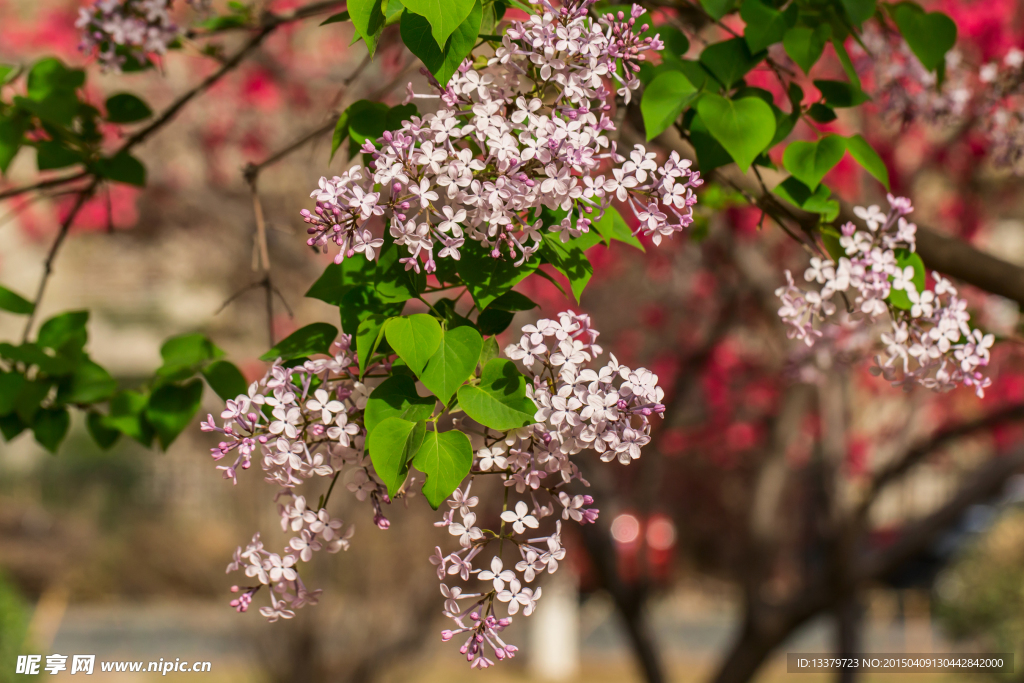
116, 29
538, 111
1001, 103
906, 90
931, 343
305, 423
606, 410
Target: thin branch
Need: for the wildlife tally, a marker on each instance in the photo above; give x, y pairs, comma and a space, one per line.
42, 185
54, 248
918, 453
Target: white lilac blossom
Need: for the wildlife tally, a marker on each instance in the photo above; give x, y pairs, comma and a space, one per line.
303, 423
931, 344
581, 409
116, 30
907, 90
537, 112
306, 424
992, 95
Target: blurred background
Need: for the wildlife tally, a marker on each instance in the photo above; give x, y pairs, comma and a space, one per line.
790, 501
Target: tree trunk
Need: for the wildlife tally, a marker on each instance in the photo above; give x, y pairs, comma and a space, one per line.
747, 654
630, 601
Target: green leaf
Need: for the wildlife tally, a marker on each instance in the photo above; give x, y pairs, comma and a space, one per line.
514, 301
122, 168
487, 278
15, 303
392, 445
710, 154
418, 37
104, 436
338, 278
765, 25
446, 458
89, 384
613, 226
51, 154
50, 427
11, 426
368, 336
335, 18
444, 16
452, 363
664, 99
31, 395
744, 127
11, 384
821, 113
730, 60
865, 155
225, 379
414, 338
494, 321
488, 352
804, 45
400, 113
676, 42
499, 401
397, 397
569, 259
171, 408
930, 35
859, 11
810, 161
718, 8
49, 76
127, 415
368, 20
340, 133
393, 282
11, 137
307, 341
64, 331
904, 258
841, 94
799, 195
127, 108
361, 303
184, 354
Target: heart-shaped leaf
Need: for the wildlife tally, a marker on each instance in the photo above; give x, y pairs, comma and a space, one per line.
397, 397
865, 155
444, 16
453, 362
446, 458
810, 161
804, 45
414, 338
744, 127
443, 63
929, 34
499, 401
392, 445
765, 25
306, 341
663, 100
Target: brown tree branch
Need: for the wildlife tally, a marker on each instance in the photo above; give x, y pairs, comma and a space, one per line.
918, 453
52, 254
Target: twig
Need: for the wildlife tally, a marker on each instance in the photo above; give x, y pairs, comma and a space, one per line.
54, 248
42, 184
919, 452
